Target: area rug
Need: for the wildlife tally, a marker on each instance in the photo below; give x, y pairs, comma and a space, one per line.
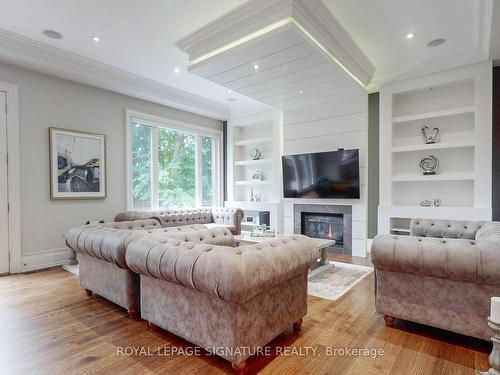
335, 279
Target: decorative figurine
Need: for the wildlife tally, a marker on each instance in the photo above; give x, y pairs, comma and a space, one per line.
430, 138
437, 202
258, 176
425, 203
429, 165
255, 154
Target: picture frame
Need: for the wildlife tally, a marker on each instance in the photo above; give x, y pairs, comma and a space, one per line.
77, 164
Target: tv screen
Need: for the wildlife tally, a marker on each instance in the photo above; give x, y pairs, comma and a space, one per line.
332, 174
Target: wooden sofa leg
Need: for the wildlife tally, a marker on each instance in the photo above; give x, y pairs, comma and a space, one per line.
238, 368
89, 292
297, 326
389, 320
153, 327
133, 314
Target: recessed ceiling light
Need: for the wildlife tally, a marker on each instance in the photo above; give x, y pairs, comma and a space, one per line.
177, 70
231, 99
256, 67
301, 91
96, 39
409, 36
53, 34
229, 91
436, 42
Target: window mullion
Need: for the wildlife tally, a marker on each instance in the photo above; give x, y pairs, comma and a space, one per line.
155, 200
198, 171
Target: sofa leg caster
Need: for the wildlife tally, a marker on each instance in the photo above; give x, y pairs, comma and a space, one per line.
153, 327
133, 314
297, 326
89, 292
239, 367
389, 320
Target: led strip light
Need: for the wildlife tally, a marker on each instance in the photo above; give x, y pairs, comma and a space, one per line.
272, 27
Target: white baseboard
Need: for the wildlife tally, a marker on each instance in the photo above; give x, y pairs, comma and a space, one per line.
44, 259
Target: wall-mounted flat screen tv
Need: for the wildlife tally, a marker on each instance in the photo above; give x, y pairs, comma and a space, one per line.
333, 174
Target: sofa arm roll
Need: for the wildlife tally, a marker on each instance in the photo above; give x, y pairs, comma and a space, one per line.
454, 259
104, 243
233, 274
228, 216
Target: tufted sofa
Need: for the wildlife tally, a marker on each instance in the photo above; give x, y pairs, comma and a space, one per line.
196, 283
101, 250
210, 217
442, 275
230, 300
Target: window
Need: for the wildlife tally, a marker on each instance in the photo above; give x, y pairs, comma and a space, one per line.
172, 165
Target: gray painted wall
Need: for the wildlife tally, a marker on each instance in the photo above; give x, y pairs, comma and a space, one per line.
373, 163
46, 101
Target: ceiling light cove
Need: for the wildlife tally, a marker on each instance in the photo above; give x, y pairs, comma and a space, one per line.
410, 36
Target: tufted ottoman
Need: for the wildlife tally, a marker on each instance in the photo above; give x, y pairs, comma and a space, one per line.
101, 252
442, 275
229, 300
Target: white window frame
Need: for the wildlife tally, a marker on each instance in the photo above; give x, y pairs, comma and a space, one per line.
161, 122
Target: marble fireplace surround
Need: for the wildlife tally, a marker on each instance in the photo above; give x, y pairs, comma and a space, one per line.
345, 210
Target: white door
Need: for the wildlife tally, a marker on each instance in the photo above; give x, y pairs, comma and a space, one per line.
4, 215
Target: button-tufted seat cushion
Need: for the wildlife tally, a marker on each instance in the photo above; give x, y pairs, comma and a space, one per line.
231, 274
444, 228
221, 216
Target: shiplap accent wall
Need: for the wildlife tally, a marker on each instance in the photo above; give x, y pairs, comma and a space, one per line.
335, 122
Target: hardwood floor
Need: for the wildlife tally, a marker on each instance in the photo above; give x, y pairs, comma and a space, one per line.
50, 326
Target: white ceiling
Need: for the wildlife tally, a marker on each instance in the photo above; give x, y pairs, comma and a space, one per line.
139, 36
380, 27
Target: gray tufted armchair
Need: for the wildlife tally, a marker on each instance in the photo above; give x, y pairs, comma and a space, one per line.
442, 275
209, 216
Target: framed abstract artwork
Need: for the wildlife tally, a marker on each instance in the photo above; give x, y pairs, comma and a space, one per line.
77, 164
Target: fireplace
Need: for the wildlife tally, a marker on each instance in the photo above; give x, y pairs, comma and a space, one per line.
326, 221
323, 225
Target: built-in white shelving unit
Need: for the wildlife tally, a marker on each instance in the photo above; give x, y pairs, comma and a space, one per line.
458, 103
245, 133
253, 183
254, 162
253, 141
433, 114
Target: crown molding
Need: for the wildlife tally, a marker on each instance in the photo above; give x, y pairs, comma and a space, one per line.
235, 24
31, 54
254, 15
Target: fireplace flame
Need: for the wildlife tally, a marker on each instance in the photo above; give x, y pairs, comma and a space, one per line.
330, 231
